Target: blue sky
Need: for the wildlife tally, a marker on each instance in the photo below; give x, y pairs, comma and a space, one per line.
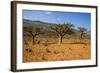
58, 17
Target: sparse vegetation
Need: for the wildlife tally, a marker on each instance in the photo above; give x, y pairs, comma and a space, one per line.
82, 31
62, 30
55, 42
34, 32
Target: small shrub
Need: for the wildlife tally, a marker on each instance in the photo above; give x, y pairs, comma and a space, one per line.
47, 50
29, 50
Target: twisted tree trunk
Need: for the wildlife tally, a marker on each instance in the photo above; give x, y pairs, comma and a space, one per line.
60, 39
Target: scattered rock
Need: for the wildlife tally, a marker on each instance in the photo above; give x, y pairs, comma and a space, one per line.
44, 58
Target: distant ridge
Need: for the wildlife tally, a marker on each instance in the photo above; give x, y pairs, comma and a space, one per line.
27, 22
44, 26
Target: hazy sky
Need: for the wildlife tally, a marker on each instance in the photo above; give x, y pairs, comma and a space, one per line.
76, 18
